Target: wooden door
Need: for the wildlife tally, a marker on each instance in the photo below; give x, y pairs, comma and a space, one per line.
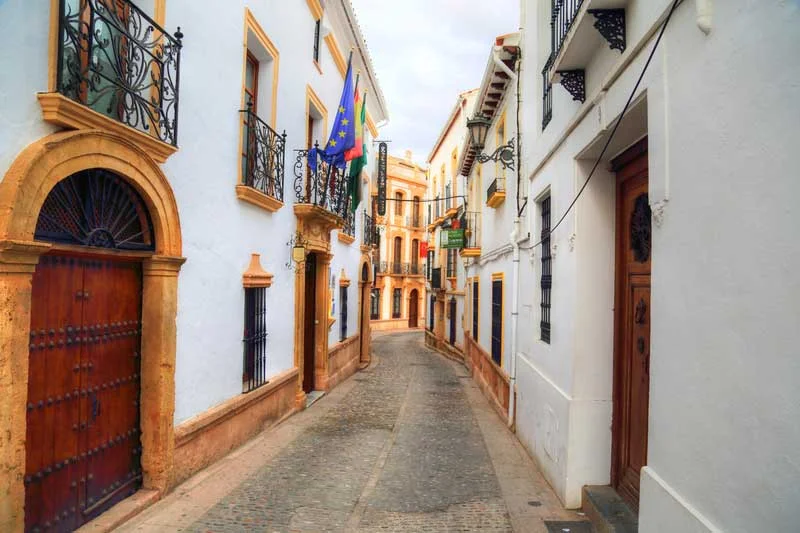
413, 311
453, 321
398, 255
632, 322
310, 315
82, 448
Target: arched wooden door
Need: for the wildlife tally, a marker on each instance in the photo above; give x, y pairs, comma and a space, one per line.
413, 308
83, 440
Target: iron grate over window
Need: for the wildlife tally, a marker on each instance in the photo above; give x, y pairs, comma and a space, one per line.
497, 320
547, 272
397, 296
317, 28
451, 262
432, 312
475, 301
343, 313
375, 304
255, 338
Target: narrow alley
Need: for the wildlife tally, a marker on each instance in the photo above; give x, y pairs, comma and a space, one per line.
401, 446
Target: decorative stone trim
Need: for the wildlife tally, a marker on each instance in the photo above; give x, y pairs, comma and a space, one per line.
345, 238
60, 110
258, 198
344, 281
255, 276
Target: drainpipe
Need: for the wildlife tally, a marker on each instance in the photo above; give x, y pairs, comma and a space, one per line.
512, 381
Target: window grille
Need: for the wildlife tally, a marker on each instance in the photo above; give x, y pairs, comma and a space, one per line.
316, 40
375, 304
255, 338
475, 301
497, 320
432, 312
343, 312
453, 313
397, 295
451, 262
547, 272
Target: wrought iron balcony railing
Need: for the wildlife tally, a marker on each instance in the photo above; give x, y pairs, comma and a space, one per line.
383, 267
371, 235
416, 269
562, 15
497, 186
397, 268
547, 94
320, 184
350, 224
116, 60
265, 155
416, 220
471, 222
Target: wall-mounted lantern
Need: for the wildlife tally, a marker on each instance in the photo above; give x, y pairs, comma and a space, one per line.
478, 129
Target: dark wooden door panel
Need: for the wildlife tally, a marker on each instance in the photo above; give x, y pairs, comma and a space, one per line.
309, 326
632, 335
53, 467
111, 322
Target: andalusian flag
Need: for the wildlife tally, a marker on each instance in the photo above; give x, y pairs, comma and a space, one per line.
358, 154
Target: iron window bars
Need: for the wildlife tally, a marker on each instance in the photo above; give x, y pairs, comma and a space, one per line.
375, 304
255, 339
370, 231
265, 156
397, 296
343, 313
547, 272
323, 186
451, 262
317, 25
547, 94
562, 15
350, 224
431, 312
116, 60
471, 222
453, 314
497, 320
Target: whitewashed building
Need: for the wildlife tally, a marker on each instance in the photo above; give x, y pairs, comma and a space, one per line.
172, 279
658, 339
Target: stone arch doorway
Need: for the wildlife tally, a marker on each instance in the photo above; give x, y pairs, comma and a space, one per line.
23, 192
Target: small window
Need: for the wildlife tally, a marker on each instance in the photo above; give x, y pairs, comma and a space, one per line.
255, 338
475, 301
497, 320
375, 304
451, 262
397, 296
431, 312
343, 312
546, 281
398, 203
317, 25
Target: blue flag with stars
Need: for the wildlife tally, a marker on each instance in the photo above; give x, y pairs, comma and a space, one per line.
343, 134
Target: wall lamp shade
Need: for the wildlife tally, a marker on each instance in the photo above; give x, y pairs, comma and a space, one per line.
478, 128
298, 253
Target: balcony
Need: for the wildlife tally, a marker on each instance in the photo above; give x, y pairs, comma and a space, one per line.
320, 186
416, 269
471, 222
347, 234
371, 235
416, 221
263, 165
123, 67
496, 193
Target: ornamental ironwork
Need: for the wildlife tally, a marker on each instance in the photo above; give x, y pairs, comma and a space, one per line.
547, 94
350, 224
574, 81
611, 25
320, 184
116, 60
265, 154
371, 235
503, 154
640, 229
563, 13
95, 208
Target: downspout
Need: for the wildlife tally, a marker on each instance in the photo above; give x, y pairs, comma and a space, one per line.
515, 256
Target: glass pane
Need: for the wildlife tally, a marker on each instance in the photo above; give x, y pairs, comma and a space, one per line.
250, 75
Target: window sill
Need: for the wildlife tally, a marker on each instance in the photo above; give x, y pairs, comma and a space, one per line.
60, 110
345, 238
258, 198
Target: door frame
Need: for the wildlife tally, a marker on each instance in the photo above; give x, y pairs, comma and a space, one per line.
628, 156
23, 190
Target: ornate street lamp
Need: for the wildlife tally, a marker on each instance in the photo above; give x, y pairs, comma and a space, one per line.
478, 129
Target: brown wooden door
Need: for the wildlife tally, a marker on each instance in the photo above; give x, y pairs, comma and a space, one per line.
310, 315
632, 318
83, 390
413, 308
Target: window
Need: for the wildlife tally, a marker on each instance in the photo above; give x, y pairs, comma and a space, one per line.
430, 213
497, 319
475, 301
255, 338
251, 103
317, 25
451, 262
430, 261
547, 271
375, 304
452, 311
397, 296
431, 312
343, 313
415, 214
398, 203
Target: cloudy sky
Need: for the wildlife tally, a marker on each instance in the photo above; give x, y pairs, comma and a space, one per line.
425, 52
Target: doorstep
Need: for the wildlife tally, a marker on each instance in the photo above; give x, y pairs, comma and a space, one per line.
608, 511
121, 512
313, 396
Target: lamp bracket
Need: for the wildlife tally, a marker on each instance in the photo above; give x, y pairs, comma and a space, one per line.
503, 154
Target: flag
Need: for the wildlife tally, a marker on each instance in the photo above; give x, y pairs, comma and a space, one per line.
360, 160
358, 149
343, 133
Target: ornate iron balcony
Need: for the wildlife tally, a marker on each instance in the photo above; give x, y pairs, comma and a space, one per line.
323, 186
471, 222
397, 268
350, 224
416, 269
265, 154
116, 60
562, 15
496, 192
371, 235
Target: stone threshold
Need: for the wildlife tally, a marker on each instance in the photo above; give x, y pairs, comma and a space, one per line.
121, 512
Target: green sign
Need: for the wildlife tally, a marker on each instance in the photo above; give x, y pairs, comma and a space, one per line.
451, 238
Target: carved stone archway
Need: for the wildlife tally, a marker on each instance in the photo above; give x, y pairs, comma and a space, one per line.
26, 184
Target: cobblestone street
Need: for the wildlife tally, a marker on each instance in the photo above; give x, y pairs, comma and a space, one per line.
400, 446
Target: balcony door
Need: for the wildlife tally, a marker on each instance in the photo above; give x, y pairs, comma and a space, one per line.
398, 255
415, 256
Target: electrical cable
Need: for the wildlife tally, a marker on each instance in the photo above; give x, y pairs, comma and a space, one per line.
616, 125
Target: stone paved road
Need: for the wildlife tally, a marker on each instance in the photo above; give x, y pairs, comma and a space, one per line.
400, 446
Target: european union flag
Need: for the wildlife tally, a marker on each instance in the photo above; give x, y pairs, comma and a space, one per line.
343, 134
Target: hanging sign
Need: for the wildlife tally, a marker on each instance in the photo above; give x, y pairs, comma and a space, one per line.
451, 238
382, 154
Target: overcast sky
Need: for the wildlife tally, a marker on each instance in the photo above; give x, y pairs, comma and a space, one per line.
425, 52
